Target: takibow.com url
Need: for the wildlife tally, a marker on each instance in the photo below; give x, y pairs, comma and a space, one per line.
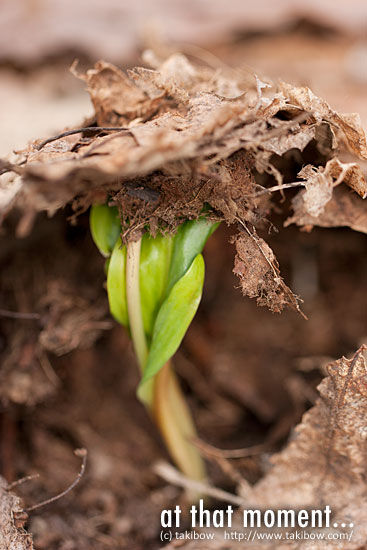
255, 535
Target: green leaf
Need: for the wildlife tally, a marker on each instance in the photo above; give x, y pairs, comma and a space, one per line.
174, 318
189, 241
116, 284
105, 227
155, 256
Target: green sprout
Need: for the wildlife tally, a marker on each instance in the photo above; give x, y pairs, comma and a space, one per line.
154, 288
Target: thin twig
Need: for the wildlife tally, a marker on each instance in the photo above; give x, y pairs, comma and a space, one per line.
275, 132
171, 475
279, 188
82, 453
94, 129
219, 457
19, 315
22, 480
209, 450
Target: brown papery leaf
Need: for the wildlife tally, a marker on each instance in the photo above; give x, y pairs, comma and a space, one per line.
346, 127
178, 137
187, 121
13, 536
258, 270
343, 209
323, 464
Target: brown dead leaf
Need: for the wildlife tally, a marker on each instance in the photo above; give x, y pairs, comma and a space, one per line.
326, 460
320, 182
323, 464
344, 209
180, 117
13, 536
115, 97
349, 173
258, 271
192, 136
346, 127
319, 189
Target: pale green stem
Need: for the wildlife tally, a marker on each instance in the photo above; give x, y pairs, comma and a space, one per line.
134, 302
175, 422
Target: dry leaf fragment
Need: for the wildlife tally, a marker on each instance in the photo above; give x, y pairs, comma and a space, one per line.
349, 173
13, 536
183, 127
112, 93
181, 116
326, 460
258, 270
323, 464
319, 189
345, 209
347, 126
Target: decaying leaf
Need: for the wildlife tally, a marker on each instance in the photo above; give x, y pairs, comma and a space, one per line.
258, 270
326, 460
347, 128
323, 464
13, 536
344, 209
166, 142
181, 119
320, 182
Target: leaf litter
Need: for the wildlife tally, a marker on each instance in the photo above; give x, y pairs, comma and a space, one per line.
192, 136
323, 463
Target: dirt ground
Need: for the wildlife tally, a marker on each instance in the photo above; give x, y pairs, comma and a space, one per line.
68, 376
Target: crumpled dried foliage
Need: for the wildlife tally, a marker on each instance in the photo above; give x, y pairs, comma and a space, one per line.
13, 536
190, 136
326, 458
324, 463
258, 270
343, 209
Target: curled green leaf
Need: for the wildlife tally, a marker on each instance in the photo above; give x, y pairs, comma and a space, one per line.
189, 241
155, 256
174, 317
105, 227
116, 284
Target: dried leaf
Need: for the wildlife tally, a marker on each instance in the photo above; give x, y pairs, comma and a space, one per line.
326, 460
258, 271
348, 127
344, 209
319, 189
13, 536
185, 120
324, 463
192, 136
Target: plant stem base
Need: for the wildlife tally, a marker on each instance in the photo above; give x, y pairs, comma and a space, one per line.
175, 423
